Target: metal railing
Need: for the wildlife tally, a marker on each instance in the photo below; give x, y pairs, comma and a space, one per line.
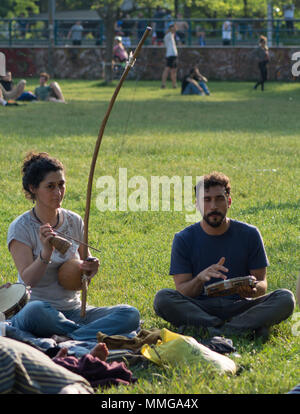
192, 32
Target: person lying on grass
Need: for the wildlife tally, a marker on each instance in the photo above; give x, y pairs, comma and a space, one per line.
9, 91
52, 92
215, 249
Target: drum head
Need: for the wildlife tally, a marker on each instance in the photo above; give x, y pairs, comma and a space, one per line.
228, 286
10, 296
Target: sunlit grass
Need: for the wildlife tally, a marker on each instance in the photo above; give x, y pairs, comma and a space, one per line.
251, 136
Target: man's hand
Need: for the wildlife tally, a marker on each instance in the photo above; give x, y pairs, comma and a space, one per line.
213, 271
247, 291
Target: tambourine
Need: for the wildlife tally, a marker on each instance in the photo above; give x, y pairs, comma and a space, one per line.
13, 299
229, 286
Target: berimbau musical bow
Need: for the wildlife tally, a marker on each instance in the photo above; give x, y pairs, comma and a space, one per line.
129, 65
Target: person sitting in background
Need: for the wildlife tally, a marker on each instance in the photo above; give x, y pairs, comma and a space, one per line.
119, 51
194, 83
15, 92
8, 90
50, 92
3, 102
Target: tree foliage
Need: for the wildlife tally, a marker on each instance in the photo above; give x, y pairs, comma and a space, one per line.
14, 8
190, 8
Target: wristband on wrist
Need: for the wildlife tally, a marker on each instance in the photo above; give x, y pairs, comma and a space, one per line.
44, 260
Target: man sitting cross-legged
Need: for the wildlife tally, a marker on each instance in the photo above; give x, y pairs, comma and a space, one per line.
214, 249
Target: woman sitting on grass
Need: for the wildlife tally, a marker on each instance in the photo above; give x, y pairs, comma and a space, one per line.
53, 310
194, 83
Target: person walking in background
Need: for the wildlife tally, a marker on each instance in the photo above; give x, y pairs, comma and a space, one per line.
171, 57
262, 54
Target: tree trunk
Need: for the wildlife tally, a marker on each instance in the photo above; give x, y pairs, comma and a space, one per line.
109, 15
109, 33
245, 8
176, 8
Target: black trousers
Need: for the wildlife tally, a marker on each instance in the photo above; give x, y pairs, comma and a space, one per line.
234, 314
263, 74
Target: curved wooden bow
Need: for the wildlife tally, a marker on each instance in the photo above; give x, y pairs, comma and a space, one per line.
130, 63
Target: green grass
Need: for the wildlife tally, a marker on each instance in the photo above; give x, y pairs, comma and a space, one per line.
251, 136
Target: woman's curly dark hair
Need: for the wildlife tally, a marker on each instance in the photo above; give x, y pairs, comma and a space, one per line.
35, 167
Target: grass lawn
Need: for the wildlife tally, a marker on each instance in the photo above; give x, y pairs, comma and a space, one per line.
251, 136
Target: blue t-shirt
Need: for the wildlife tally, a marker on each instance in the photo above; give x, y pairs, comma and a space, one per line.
193, 250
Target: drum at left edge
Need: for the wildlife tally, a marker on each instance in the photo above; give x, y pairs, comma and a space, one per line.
13, 299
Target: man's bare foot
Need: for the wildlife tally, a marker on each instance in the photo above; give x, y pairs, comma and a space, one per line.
63, 352
100, 351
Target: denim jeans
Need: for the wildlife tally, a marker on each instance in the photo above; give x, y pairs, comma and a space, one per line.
42, 320
204, 87
191, 89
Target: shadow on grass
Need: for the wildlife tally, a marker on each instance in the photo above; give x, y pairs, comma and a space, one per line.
154, 116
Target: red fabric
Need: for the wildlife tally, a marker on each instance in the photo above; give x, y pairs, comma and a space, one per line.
97, 372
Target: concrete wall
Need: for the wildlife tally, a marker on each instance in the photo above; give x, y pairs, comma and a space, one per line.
217, 63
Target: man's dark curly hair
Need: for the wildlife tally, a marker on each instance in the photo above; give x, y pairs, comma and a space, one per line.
213, 179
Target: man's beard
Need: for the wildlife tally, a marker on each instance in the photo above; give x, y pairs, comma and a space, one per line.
215, 222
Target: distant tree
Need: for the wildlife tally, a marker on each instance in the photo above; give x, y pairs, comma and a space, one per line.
220, 9
109, 11
14, 8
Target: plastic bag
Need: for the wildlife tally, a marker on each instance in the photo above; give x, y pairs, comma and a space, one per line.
176, 349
